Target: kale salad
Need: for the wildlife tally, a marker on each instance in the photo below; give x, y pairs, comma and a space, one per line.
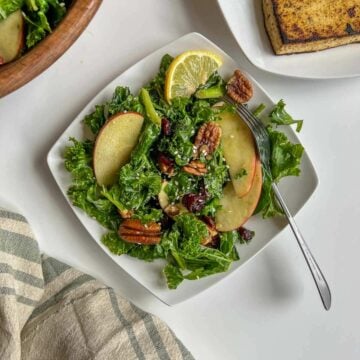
41, 16
160, 170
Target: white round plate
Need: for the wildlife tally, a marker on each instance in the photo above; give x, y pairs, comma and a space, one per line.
245, 20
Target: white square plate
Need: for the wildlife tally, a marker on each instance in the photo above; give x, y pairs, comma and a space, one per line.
245, 20
296, 190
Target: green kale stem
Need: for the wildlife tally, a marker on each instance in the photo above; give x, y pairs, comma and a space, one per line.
259, 109
149, 107
148, 136
211, 93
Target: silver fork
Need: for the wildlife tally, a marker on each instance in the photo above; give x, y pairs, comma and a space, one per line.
263, 146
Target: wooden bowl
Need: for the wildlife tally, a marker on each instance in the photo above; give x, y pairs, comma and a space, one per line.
18, 72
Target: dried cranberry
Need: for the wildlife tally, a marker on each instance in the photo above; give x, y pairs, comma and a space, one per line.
215, 242
165, 126
194, 202
166, 164
209, 221
166, 222
246, 234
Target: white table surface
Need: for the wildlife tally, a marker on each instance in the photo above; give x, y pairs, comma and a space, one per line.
268, 309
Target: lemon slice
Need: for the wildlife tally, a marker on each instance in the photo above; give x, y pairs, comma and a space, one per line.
188, 71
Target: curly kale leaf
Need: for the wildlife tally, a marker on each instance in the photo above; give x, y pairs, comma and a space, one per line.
267, 204
55, 9
227, 244
96, 119
138, 186
84, 191
41, 17
146, 252
95, 205
9, 6
285, 161
156, 86
119, 247
78, 158
174, 276
37, 28
206, 262
56, 12
280, 116
148, 214
180, 184
188, 259
121, 101
217, 175
285, 156
135, 190
202, 111
179, 145
192, 231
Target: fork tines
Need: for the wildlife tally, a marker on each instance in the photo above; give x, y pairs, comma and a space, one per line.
257, 128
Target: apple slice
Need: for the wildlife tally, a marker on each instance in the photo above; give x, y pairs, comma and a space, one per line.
11, 37
236, 211
163, 196
114, 144
171, 210
239, 152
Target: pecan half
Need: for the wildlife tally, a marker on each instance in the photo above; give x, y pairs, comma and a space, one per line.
134, 231
195, 167
239, 88
207, 139
210, 240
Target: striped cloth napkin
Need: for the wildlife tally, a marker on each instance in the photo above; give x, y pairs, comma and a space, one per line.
50, 311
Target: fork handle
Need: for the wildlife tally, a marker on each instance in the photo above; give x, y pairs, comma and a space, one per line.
316, 273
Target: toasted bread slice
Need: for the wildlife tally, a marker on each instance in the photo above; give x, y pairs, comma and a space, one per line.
296, 26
